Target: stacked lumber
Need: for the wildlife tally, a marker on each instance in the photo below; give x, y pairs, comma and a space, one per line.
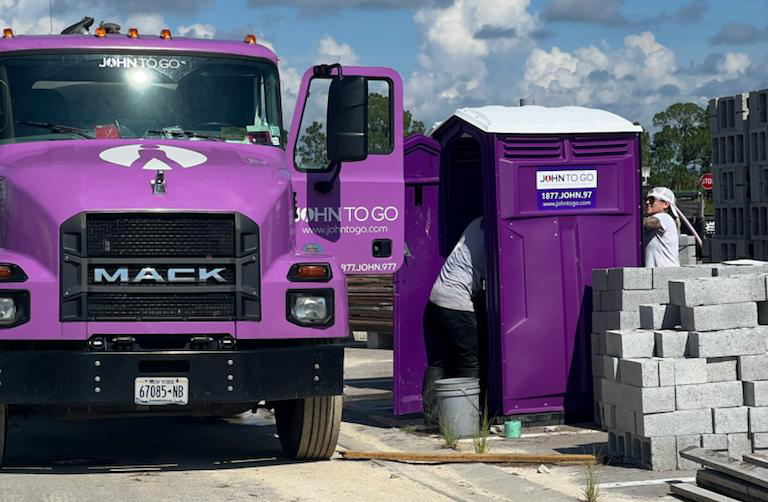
371, 299
724, 479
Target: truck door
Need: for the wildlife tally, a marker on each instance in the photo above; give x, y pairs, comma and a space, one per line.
353, 211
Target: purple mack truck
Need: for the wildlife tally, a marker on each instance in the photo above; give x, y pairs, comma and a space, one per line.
166, 247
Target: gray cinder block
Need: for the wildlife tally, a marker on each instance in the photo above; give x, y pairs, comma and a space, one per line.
625, 420
671, 343
630, 300
675, 423
718, 317
629, 343
639, 399
630, 278
730, 420
597, 366
726, 343
685, 441
598, 343
690, 371
762, 312
662, 275
754, 367
610, 368
603, 321
639, 372
596, 304
600, 279
714, 442
659, 453
659, 316
759, 440
666, 372
710, 395
719, 290
721, 369
739, 445
758, 419
597, 389
756, 393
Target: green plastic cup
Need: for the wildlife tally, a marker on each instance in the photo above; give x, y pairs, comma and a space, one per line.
513, 429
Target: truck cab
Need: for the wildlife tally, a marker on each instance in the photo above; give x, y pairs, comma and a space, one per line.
167, 247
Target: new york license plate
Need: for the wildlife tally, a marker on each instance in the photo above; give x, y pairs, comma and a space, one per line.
161, 390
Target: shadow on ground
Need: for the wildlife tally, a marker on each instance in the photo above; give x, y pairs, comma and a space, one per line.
50, 446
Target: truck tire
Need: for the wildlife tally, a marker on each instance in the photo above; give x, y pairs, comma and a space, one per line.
3, 430
309, 427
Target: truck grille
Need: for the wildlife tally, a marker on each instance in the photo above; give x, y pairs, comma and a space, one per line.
129, 236
161, 307
188, 242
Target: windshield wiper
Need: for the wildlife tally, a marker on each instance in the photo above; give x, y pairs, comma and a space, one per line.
57, 128
174, 133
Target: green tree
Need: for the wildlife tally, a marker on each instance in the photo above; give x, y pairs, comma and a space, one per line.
311, 145
411, 126
681, 149
311, 148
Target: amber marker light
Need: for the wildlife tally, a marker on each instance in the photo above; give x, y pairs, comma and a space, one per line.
101, 32
7, 33
133, 33
165, 34
250, 39
312, 272
5, 272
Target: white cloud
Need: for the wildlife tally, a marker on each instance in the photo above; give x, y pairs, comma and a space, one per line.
145, 23
461, 42
635, 81
198, 30
329, 51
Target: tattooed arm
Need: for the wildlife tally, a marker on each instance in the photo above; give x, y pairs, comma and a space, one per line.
651, 223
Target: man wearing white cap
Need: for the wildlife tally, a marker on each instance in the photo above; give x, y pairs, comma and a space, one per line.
661, 229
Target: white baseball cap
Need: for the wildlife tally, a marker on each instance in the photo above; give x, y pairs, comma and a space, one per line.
663, 193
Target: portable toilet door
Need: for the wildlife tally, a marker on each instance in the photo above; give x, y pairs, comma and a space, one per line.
560, 191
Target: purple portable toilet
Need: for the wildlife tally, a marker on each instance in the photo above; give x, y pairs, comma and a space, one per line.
560, 192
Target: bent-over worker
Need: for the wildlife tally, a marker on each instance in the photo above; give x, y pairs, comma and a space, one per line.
450, 320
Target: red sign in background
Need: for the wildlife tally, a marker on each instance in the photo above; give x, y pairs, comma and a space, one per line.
706, 181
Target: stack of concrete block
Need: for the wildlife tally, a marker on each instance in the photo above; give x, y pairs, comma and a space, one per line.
680, 359
687, 250
729, 126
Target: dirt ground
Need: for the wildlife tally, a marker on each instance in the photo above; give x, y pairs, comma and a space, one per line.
172, 459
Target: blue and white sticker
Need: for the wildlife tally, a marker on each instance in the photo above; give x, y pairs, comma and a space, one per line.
566, 189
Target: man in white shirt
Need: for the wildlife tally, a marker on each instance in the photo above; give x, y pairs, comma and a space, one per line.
450, 322
661, 230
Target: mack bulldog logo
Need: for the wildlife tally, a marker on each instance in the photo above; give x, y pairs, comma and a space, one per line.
150, 274
153, 157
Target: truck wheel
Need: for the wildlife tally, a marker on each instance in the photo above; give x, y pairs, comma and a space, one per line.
309, 427
3, 430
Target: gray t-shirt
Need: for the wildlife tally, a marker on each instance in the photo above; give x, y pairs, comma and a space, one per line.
461, 278
662, 245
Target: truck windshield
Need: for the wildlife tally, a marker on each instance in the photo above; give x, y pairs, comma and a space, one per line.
57, 96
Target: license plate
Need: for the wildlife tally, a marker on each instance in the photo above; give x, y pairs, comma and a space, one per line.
161, 390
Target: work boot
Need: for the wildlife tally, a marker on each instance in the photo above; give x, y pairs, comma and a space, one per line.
431, 375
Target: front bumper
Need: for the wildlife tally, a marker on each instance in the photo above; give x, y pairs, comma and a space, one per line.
238, 376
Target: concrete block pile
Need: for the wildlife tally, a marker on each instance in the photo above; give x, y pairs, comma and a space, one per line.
687, 250
680, 358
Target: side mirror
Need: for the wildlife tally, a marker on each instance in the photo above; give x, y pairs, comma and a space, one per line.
347, 120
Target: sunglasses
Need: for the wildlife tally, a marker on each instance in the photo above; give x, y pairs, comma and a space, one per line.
651, 200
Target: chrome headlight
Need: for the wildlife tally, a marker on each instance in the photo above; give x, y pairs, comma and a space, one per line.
310, 307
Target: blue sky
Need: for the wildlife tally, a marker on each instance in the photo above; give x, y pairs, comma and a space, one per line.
631, 57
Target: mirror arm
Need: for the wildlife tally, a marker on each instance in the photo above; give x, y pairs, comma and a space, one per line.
324, 70
325, 187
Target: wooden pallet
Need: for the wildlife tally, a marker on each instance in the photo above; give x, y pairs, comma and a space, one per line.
723, 479
371, 302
